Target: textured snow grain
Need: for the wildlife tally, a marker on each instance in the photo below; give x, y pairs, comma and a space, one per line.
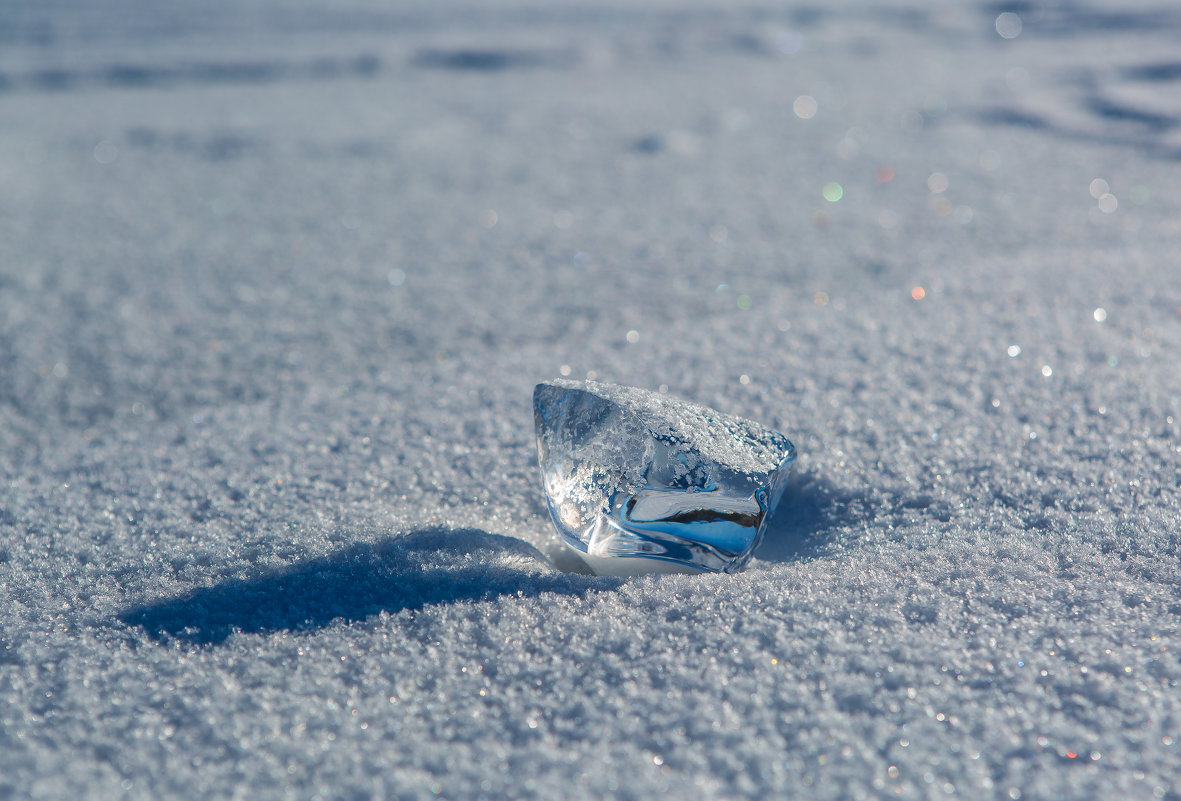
276, 283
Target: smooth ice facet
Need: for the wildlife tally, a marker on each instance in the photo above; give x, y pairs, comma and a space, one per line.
637, 482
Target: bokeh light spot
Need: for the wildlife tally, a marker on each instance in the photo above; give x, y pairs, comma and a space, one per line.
805, 107
1008, 25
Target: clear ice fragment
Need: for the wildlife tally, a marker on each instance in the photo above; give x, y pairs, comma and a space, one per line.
638, 482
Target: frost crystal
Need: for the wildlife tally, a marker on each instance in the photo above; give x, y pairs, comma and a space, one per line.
637, 482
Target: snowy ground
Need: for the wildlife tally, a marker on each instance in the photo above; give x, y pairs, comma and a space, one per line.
276, 282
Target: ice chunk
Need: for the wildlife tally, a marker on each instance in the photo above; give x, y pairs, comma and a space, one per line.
638, 482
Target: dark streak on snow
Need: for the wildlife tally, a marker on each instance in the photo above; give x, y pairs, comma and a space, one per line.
155, 76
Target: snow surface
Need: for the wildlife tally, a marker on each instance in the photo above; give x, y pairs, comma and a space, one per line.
276, 283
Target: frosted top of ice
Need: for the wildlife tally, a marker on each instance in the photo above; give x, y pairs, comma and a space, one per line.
739, 444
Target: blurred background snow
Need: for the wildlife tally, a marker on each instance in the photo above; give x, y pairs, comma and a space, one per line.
276, 282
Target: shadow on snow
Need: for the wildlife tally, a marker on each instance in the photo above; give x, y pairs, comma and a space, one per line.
423, 568
810, 510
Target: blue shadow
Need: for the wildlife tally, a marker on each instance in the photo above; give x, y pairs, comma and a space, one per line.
423, 568
801, 526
